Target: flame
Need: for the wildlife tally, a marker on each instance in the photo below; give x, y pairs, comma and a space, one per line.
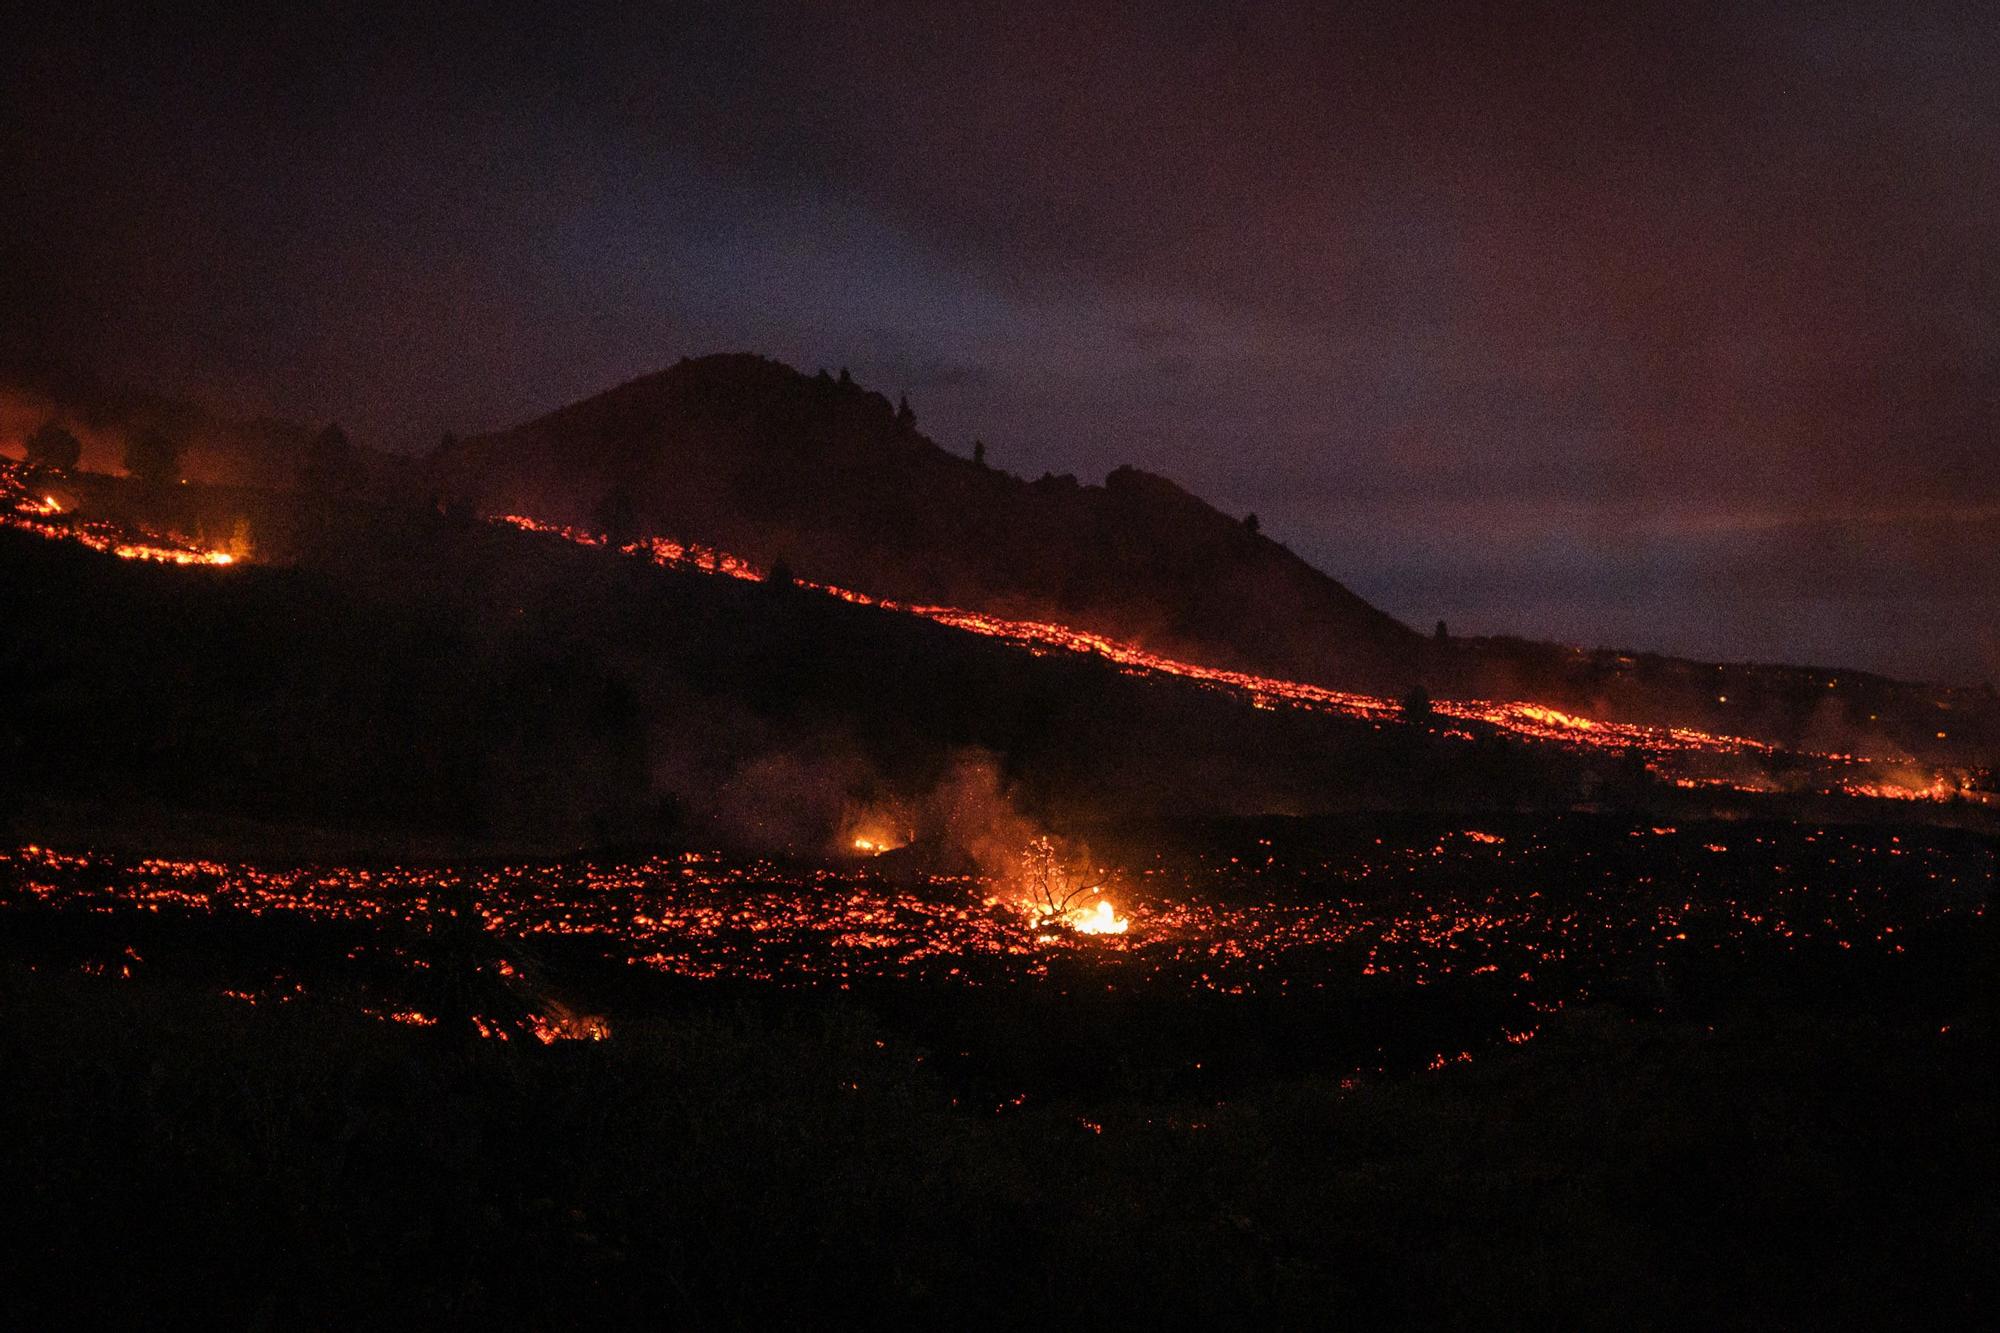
1098, 919
1051, 889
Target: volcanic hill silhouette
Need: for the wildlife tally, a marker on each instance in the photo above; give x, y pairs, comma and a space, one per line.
747, 454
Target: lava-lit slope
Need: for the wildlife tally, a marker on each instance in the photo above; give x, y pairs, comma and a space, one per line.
395, 656
746, 454
1688, 757
414, 675
44, 513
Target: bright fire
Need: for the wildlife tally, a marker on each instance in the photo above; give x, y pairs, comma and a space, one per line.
1052, 892
874, 835
1099, 919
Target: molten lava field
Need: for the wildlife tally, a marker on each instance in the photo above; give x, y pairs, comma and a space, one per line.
1232, 952
1563, 1069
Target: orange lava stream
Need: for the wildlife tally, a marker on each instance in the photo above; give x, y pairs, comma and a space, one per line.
1529, 721
1526, 719
44, 516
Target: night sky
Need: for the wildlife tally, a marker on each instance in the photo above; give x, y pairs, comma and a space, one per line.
1667, 327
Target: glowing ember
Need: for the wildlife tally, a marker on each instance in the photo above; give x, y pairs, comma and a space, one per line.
559, 1024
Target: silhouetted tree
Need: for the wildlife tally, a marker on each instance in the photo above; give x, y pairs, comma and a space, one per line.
1250, 524
153, 458
780, 575
434, 467
979, 452
1417, 705
617, 516
54, 448
845, 378
456, 510
905, 418
332, 464
1633, 776
1443, 635
1053, 886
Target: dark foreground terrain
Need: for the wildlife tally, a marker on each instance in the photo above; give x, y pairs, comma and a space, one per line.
1531, 1072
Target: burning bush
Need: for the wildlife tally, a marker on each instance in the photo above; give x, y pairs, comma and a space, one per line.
1057, 894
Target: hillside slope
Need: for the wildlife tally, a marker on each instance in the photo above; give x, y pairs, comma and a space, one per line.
418, 677
747, 454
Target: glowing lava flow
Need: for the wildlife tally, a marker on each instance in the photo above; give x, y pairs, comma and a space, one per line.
1529, 721
1540, 910
44, 516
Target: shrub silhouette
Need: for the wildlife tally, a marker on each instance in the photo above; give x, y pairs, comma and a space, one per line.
153, 458
332, 464
54, 448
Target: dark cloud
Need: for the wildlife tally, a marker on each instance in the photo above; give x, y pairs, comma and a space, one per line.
1455, 297
896, 365
1151, 334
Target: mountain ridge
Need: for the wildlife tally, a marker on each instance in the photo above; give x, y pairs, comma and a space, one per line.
745, 453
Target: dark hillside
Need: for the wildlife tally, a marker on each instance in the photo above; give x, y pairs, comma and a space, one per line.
750, 455
416, 676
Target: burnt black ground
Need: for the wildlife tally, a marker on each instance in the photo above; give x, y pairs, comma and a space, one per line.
1771, 1137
